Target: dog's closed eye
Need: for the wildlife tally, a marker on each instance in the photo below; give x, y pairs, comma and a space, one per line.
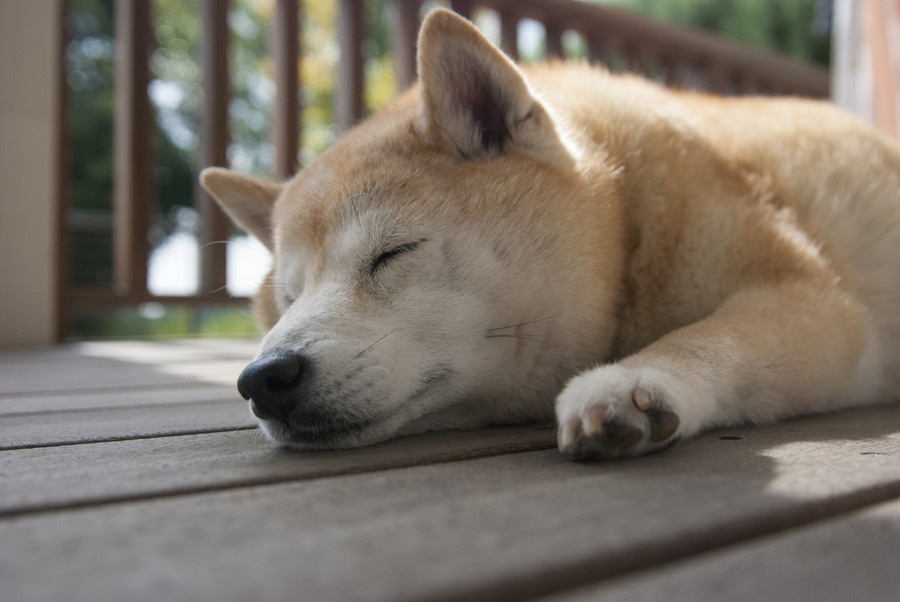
387, 256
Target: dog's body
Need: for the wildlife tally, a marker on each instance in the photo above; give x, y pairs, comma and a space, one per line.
457, 259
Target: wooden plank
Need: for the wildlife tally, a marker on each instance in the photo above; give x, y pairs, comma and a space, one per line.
849, 558
59, 477
134, 364
496, 528
120, 397
19, 431
101, 375
104, 374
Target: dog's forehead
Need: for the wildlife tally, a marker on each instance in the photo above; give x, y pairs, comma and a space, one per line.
361, 180
344, 208
326, 202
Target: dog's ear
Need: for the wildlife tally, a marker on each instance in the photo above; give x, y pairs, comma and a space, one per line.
475, 100
247, 201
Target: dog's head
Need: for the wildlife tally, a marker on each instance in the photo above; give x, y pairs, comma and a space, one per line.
431, 269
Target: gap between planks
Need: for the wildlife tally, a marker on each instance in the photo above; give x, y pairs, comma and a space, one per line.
123, 388
187, 433
120, 423
136, 406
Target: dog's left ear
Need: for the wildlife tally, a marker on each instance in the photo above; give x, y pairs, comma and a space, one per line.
247, 201
475, 101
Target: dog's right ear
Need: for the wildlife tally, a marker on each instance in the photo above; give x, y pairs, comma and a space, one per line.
246, 200
475, 102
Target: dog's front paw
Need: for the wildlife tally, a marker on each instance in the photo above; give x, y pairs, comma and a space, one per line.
614, 412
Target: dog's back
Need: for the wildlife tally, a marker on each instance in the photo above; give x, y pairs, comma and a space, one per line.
831, 181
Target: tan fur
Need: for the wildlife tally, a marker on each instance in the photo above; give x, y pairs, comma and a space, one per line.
696, 261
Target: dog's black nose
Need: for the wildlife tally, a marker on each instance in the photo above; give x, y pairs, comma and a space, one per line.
272, 382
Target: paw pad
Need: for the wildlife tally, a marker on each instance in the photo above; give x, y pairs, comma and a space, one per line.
638, 425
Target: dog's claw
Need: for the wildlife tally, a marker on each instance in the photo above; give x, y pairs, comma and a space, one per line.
567, 434
593, 420
663, 422
642, 399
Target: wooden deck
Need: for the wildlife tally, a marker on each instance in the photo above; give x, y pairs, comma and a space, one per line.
130, 471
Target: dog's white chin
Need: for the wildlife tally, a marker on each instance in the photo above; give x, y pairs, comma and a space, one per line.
475, 412
378, 432
319, 440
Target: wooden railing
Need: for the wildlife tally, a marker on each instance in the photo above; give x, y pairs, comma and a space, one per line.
674, 55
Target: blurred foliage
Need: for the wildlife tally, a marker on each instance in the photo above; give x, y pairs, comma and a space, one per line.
797, 28
157, 320
89, 57
89, 61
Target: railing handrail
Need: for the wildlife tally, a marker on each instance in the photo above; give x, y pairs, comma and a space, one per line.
598, 20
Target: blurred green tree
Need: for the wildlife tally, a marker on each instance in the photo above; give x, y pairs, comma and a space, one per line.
797, 28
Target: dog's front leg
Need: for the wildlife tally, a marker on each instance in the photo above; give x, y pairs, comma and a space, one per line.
764, 354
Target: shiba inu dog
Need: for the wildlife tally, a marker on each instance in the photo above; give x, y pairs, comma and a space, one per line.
502, 244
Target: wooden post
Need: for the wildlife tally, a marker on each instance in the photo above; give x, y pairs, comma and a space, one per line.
286, 128
132, 195
351, 82
62, 181
214, 225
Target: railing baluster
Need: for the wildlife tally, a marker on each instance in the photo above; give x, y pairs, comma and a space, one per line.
509, 34
717, 77
463, 7
596, 51
133, 142
671, 71
553, 40
214, 226
351, 84
286, 127
406, 26
634, 59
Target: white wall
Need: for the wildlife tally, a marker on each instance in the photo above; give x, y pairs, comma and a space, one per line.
29, 57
